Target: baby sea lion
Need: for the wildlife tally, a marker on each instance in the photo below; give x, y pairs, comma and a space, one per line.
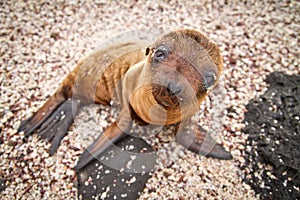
160, 84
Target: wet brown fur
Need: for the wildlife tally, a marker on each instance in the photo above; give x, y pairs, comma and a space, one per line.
126, 72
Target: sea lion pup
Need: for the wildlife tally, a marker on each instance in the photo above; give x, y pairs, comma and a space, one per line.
161, 84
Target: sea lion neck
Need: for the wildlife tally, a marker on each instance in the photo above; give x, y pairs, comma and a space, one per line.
144, 105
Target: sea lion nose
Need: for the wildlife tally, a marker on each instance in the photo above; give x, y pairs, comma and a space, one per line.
174, 88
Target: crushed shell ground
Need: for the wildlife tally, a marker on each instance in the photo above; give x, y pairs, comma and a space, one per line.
41, 42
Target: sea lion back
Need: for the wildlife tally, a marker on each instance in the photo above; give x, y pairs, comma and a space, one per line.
98, 74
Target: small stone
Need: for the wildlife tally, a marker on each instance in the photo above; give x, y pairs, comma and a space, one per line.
2, 185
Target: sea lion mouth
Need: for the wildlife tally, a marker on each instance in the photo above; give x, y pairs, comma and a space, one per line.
163, 102
164, 98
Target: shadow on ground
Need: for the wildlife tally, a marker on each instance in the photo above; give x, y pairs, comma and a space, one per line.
119, 173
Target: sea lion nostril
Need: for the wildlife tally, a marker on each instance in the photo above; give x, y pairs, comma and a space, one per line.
174, 88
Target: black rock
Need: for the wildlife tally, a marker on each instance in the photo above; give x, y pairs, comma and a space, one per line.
119, 173
2, 185
273, 152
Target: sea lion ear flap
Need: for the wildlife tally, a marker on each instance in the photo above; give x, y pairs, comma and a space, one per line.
148, 50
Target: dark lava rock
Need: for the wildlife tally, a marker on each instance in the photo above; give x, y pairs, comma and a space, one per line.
273, 147
2, 185
119, 173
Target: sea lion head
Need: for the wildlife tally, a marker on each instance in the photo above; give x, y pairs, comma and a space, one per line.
185, 65
180, 69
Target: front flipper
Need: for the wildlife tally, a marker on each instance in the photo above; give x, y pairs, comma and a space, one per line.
53, 125
29, 125
197, 140
115, 132
57, 124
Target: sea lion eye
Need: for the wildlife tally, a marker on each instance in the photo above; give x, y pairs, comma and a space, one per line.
160, 55
209, 79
